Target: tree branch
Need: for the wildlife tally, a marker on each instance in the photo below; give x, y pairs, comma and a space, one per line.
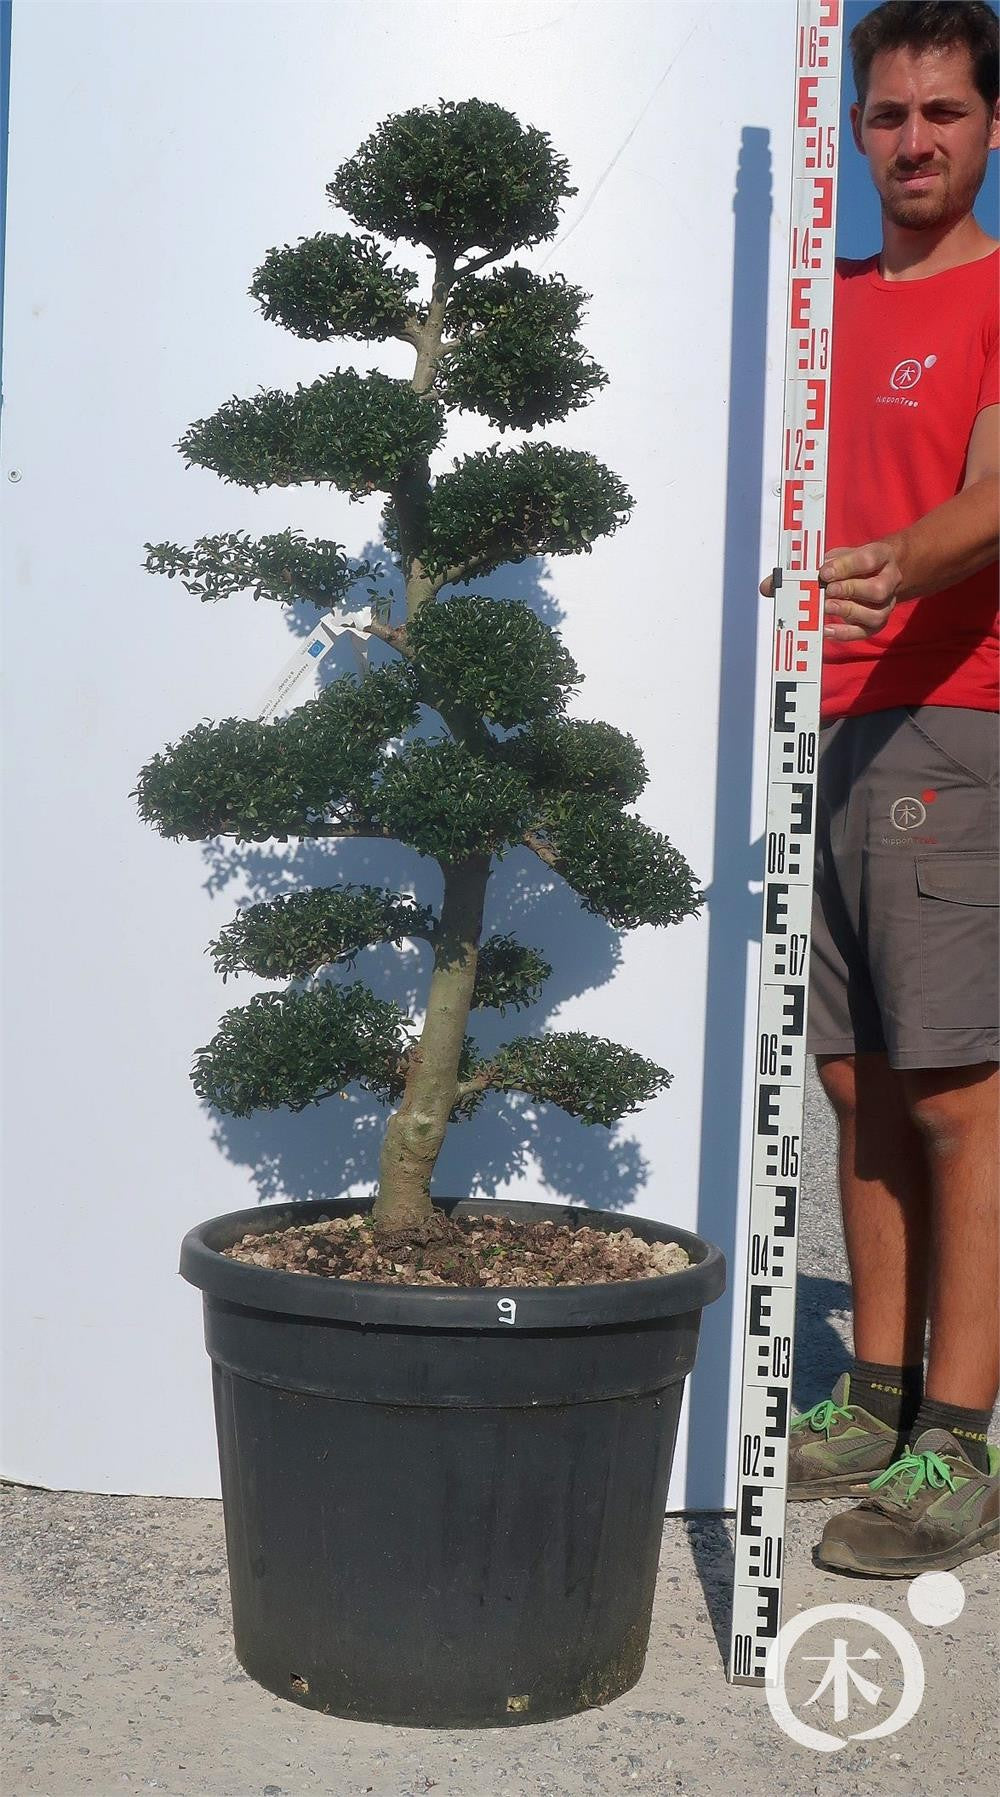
542, 849
479, 1083
411, 330
307, 835
393, 634
480, 262
316, 830
351, 830
462, 570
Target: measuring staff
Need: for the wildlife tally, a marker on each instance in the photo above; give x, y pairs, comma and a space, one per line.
907, 838
796, 672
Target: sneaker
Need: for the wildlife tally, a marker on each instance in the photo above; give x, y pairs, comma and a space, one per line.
930, 1510
834, 1448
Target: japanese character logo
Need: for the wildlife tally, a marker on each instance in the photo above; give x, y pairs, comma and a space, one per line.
935, 1598
908, 814
907, 373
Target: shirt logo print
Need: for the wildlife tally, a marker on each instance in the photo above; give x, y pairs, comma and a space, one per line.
905, 375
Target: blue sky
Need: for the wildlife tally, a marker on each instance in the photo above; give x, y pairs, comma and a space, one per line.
859, 227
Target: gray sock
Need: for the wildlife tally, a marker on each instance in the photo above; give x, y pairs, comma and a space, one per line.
968, 1427
892, 1393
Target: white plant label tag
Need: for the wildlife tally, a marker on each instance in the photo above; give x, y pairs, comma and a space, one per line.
317, 644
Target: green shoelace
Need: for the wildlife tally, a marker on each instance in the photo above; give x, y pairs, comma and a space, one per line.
927, 1469
821, 1416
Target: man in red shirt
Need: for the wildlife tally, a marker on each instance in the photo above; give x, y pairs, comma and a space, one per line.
904, 1003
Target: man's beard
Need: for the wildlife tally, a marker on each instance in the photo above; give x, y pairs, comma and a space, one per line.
938, 203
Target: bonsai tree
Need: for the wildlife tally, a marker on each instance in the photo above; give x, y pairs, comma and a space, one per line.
507, 766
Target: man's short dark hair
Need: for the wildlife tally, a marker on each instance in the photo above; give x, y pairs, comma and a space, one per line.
930, 25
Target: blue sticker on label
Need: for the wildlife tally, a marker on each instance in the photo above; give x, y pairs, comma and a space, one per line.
317, 648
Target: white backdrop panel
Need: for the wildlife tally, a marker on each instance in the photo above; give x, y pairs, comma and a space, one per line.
157, 152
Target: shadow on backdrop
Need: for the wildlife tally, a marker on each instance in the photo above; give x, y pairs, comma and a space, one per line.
734, 910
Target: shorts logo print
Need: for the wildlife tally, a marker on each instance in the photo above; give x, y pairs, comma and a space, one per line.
908, 814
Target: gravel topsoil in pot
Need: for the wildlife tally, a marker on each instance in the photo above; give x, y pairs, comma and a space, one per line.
476, 1251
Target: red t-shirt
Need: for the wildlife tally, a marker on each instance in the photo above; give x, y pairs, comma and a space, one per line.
913, 363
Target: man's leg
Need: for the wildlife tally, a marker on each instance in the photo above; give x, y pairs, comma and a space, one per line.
918, 944
836, 1447
957, 1112
939, 1505
885, 1204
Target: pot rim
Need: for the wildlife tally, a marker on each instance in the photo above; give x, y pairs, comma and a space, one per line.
368, 1303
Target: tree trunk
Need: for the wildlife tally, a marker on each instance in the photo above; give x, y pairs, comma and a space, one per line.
415, 1133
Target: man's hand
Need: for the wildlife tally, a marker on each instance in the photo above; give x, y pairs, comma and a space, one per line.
860, 590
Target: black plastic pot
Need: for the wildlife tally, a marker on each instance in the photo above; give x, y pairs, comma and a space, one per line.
443, 1506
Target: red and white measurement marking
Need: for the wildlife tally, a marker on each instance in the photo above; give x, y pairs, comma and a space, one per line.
790, 837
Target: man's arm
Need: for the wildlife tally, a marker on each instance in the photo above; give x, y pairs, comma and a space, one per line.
959, 537
945, 546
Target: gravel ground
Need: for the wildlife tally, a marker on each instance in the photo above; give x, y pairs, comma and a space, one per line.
119, 1673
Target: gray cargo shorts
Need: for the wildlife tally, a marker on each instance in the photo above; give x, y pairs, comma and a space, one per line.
907, 881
